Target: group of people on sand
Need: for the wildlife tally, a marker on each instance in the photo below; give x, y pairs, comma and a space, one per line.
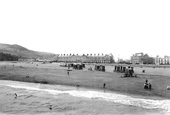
147, 85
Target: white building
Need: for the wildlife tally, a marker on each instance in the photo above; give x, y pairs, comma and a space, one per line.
162, 61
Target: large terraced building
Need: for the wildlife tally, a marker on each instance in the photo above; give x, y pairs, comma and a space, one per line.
162, 61
108, 58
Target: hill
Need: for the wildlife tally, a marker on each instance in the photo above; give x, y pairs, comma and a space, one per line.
23, 52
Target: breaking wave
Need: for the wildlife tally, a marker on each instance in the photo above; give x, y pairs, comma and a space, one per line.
113, 97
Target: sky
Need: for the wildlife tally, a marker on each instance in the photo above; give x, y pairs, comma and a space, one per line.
120, 27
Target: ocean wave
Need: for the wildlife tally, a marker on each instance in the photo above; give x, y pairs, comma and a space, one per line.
112, 97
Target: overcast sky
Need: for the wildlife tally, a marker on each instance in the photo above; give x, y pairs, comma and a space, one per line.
120, 27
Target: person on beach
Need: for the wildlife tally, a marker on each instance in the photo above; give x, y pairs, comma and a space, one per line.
78, 84
146, 84
15, 96
67, 72
104, 85
146, 81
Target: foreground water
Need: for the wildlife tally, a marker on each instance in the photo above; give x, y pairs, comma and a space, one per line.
36, 99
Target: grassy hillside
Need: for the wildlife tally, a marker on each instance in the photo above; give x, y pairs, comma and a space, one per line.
24, 52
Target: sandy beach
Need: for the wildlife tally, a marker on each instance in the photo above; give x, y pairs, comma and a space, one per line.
35, 99
54, 74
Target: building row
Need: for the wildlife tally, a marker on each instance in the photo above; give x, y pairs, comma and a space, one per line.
108, 58
162, 61
137, 58
141, 58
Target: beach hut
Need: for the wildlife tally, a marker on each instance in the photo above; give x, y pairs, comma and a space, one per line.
115, 68
124, 69
83, 65
121, 69
103, 68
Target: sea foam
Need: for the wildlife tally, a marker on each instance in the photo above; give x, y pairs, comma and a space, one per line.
112, 97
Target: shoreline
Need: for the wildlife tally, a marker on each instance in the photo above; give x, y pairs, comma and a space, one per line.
108, 99
142, 94
87, 79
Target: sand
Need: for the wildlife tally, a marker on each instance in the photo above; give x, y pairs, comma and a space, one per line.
54, 74
38, 101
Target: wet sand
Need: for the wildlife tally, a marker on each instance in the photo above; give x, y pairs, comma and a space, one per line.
38, 101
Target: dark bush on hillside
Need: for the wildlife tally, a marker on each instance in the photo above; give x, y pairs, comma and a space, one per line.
8, 57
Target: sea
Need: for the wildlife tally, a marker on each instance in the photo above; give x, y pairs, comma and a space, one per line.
21, 98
